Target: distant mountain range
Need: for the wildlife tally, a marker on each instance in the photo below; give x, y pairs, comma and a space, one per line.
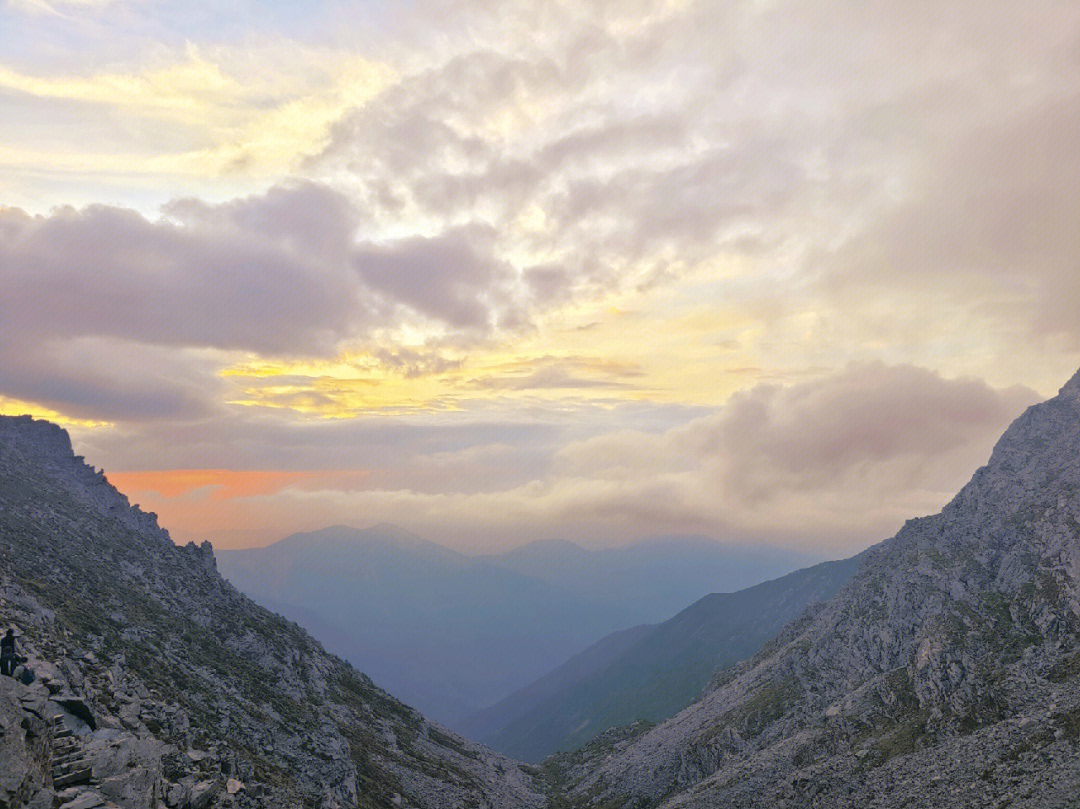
649, 672
652, 578
452, 633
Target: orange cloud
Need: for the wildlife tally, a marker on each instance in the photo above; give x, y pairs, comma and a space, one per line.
225, 484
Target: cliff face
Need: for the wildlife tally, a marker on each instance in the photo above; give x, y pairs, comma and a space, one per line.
157, 683
945, 673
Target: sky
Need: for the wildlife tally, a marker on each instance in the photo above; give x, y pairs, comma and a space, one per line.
766, 271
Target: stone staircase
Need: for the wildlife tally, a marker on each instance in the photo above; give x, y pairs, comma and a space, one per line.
72, 773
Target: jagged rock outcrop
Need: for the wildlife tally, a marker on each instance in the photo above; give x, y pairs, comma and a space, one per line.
156, 684
946, 673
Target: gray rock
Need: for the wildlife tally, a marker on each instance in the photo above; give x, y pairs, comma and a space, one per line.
87, 800
177, 795
203, 792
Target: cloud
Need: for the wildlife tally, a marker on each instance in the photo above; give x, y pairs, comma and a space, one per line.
829, 464
247, 276
110, 314
35, 7
179, 112
416, 363
832, 159
451, 278
841, 459
103, 379
560, 373
222, 484
990, 227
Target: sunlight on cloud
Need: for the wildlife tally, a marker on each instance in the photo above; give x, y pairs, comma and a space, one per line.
604, 218
256, 110
422, 380
15, 407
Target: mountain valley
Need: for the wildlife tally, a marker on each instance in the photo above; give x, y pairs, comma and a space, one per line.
940, 668
452, 633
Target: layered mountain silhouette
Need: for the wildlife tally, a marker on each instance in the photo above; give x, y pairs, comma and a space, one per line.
452, 633
944, 673
649, 673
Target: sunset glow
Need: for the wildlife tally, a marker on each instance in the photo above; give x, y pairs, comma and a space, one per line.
506, 271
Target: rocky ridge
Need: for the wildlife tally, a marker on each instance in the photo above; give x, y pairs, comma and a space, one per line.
946, 673
156, 684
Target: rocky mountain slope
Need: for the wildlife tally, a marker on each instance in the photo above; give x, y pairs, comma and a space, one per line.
651, 672
158, 684
946, 673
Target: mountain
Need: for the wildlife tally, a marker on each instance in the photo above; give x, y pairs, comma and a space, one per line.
441, 630
652, 578
452, 633
945, 673
156, 683
651, 672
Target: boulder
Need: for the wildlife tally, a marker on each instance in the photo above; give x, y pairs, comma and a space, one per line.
203, 793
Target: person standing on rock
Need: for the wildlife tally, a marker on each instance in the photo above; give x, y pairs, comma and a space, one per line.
8, 660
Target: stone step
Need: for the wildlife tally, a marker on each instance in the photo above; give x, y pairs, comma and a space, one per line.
69, 793
63, 733
71, 766
82, 776
58, 761
85, 800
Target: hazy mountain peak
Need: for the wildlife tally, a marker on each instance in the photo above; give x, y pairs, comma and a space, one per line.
549, 547
382, 530
348, 538
390, 531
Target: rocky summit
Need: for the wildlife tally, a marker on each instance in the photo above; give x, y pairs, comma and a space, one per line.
946, 673
151, 682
